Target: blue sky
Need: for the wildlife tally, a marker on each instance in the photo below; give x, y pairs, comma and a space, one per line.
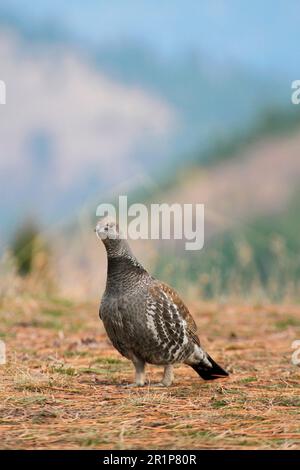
263, 35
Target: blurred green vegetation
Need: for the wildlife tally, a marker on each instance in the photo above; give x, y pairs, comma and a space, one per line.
258, 259
28, 248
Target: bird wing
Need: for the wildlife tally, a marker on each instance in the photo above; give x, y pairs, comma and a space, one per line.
183, 310
170, 317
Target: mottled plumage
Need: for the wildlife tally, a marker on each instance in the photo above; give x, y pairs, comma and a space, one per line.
145, 319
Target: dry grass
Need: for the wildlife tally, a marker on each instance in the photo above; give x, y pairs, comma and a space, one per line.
63, 384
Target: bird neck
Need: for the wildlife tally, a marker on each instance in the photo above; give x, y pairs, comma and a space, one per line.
123, 269
117, 247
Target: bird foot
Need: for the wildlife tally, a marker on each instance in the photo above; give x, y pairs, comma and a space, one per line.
163, 384
168, 376
134, 385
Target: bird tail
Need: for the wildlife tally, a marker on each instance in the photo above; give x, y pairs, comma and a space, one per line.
210, 373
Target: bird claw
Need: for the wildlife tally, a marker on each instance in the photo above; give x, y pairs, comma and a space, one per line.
162, 384
133, 385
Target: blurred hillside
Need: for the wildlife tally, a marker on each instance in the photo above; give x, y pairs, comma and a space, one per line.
251, 198
250, 187
86, 115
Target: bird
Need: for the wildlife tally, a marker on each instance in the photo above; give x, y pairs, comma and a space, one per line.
144, 318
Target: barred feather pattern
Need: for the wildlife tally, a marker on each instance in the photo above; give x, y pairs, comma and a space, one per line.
168, 327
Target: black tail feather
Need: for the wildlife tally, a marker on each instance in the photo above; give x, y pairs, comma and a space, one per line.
210, 373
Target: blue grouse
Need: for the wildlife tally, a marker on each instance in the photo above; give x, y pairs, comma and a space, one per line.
145, 319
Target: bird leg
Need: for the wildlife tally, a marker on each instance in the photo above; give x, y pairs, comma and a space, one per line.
168, 376
139, 372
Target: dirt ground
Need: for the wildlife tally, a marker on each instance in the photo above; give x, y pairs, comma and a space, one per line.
64, 386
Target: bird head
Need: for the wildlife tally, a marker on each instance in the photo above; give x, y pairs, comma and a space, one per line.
107, 229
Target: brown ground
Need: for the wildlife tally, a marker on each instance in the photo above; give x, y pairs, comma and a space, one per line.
64, 386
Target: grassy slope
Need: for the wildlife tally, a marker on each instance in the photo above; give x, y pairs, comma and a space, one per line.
220, 179
259, 258
261, 254
63, 384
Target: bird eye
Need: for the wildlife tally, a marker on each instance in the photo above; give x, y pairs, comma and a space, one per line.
106, 228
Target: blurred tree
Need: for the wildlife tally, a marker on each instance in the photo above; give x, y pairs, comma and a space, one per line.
28, 246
